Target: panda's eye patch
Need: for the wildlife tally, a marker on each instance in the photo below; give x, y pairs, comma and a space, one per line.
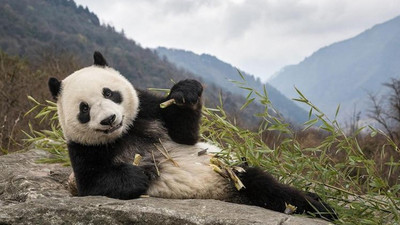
84, 115
114, 96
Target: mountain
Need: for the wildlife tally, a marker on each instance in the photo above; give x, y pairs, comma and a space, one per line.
38, 29
345, 72
217, 72
31, 29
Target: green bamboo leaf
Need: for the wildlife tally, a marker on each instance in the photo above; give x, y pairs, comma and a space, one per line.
310, 123
301, 94
241, 75
33, 100
238, 83
265, 91
246, 88
249, 95
247, 103
51, 103
42, 114
337, 111
213, 110
299, 100
31, 110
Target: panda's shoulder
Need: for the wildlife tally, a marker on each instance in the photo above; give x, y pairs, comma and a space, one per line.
147, 129
149, 104
148, 97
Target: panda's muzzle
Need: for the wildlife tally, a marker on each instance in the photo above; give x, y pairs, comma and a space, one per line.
109, 121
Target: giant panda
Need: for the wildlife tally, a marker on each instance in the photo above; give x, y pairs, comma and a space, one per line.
106, 122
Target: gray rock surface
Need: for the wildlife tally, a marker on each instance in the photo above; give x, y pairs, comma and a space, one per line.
32, 193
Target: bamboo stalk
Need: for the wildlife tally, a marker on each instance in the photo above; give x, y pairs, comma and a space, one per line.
290, 209
137, 159
218, 165
165, 153
167, 103
155, 163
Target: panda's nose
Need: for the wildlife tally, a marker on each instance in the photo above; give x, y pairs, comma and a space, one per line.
109, 120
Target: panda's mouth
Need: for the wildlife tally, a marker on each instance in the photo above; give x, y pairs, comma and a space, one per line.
111, 129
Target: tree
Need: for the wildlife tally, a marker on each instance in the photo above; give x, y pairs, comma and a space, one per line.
386, 109
18, 79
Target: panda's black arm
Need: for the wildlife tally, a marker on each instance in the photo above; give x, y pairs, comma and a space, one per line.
97, 174
122, 181
182, 119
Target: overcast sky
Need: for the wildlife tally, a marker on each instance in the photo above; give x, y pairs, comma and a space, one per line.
257, 36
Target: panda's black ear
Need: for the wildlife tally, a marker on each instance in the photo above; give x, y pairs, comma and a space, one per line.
55, 87
99, 60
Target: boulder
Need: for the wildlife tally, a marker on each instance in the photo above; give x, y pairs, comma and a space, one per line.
34, 193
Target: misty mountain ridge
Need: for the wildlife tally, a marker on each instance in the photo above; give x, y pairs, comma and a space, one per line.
345, 72
220, 73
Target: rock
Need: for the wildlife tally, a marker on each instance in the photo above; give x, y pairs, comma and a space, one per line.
32, 193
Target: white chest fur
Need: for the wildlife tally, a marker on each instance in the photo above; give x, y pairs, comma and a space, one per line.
192, 178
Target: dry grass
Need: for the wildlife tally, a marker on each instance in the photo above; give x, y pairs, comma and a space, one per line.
18, 79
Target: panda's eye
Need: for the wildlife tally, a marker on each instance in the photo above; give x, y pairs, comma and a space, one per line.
84, 107
107, 93
84, 115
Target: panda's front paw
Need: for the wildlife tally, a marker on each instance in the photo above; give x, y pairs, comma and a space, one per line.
150, 170
187, 93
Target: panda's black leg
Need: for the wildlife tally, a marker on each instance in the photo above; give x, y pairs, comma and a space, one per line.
265, 191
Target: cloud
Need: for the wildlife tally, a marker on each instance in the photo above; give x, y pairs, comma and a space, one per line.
258, 36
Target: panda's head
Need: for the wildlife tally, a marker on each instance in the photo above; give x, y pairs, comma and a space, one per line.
96, 104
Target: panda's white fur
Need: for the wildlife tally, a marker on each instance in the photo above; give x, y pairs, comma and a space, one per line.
86, 85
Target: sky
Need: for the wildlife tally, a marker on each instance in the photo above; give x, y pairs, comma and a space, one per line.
258, 36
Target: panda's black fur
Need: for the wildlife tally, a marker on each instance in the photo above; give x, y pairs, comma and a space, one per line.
106, 168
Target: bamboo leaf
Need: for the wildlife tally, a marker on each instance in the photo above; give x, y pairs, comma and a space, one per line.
240, 73
247, 103
33, 100
337, 111
310, 123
